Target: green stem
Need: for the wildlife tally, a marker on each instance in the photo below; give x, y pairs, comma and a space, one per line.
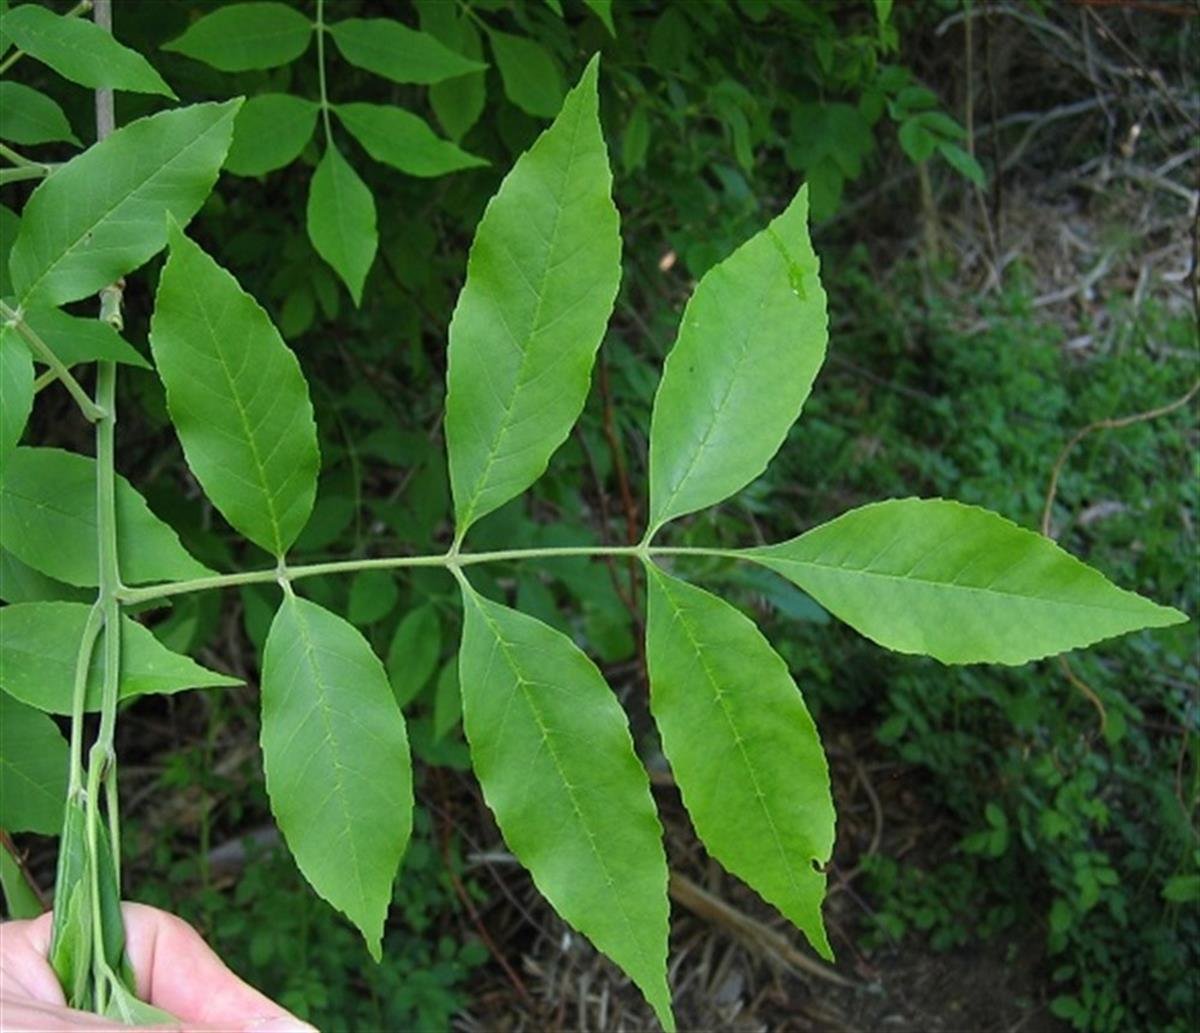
16, 157
80, 8
83, 663
12, 317
23, 173
321, 71
449, 560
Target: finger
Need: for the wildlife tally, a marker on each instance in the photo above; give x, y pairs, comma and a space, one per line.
38, 1017
24, 970
178, 972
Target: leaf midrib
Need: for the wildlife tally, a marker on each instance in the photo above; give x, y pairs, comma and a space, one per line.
767, 560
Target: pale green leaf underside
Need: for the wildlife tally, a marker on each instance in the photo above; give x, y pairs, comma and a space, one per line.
541, 280
81, 51
237, 398
16, 393
30, 117
33, 769
552, 749
403, 140
39, 644
750, 343
958, 583
48, 520
240, 37
103, 214
394, 51
743, 748
341, 220
270, 132
335, 752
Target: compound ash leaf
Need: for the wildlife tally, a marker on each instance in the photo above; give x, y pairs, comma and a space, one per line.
40, 641
750, 343
958, 583
541, 280
48, 521
237, 397
335, 752
744, 750
103, 213
553, 753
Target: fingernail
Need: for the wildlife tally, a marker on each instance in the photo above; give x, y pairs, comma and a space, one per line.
280, 1024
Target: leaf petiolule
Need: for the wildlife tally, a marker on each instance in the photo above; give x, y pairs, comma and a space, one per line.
241, 37
750, 343
48, 520
743, 748
958, 583
39, 642
552, 749
541, 280
335, 753
81, 51
237, 397
341, 220
33, 769
103, 213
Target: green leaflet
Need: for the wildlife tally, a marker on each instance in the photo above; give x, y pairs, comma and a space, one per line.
19, 899
743, 748
541, 280
335, 752
373, 595
48, 520
81, 51
20, 583
394, 51
39, 643
30, 117
76, 339
602, 9
750, 343
240, 37
10, 224
551, 746
102, 214
71, 935
16, 393
341, 220
958, 583
413, 654
532, 80
237, 398
270, 132
33, 769
403, 140
457, 102
124, 1006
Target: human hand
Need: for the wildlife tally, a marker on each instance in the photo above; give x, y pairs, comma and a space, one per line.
176, 971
